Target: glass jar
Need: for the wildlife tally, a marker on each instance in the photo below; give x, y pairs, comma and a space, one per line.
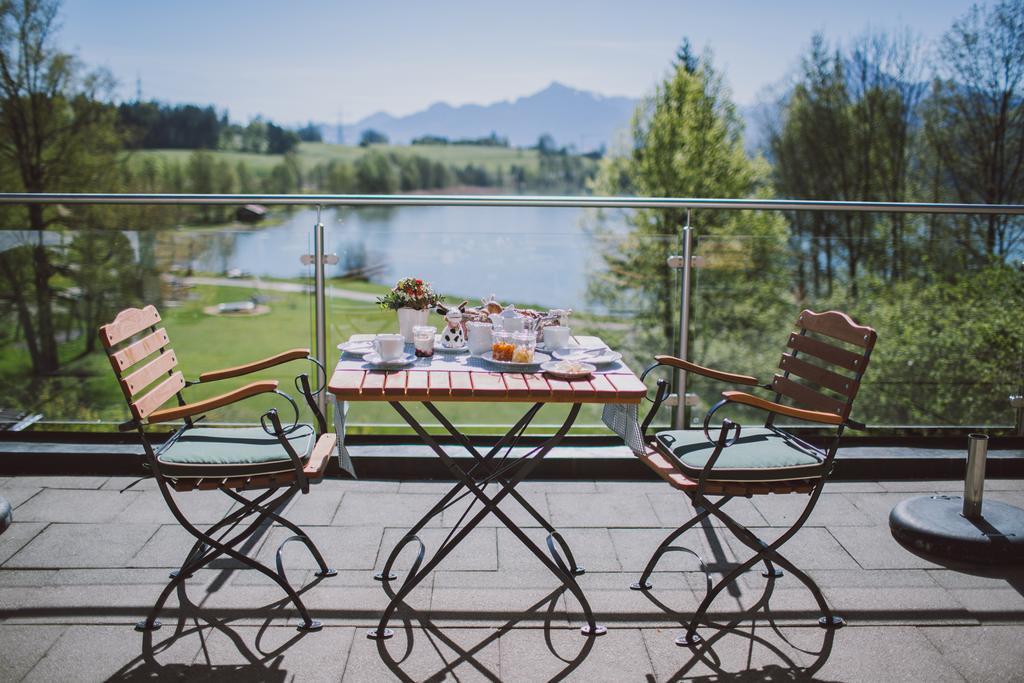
423, 340
502, 346
524, 343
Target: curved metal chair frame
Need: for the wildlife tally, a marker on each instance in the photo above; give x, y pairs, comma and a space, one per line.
709, 493
140, 355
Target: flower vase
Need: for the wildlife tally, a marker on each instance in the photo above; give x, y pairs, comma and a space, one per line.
409, 318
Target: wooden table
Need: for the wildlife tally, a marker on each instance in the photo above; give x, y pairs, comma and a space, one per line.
457, 380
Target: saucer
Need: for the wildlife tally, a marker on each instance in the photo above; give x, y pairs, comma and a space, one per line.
572, 346
356, 348
438, 347
374, 359
604, 358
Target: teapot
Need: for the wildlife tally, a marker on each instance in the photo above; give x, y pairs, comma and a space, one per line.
509, 320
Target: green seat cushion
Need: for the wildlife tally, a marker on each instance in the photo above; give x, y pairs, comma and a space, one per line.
758, 455
233, 452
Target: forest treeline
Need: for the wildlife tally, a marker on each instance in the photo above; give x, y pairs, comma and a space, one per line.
885, 118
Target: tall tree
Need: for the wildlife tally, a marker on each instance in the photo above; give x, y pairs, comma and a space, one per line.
58, 136
975, 121
848, 133
687, 142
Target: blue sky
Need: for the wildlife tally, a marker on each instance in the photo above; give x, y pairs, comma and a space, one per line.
301, 60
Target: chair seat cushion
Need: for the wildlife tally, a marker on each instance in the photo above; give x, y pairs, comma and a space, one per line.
233, 452
758, 455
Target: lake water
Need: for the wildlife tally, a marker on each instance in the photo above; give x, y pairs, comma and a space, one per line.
540, 256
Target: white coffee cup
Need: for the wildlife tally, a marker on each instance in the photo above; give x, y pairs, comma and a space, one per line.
478, 336
389, 346
556, 337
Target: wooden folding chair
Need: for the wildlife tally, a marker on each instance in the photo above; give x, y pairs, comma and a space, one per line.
269, 457
821, 373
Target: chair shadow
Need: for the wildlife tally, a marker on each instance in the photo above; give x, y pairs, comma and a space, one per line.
704, 652
468, 655
261, 665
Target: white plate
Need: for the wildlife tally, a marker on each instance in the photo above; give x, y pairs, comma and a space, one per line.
374, 359
586, 369
604, 358
538, 358
356, 348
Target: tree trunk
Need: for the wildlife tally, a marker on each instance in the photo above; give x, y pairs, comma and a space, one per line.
17, 290
48, 361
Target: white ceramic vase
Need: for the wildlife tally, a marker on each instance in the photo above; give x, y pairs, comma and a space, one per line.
409, 318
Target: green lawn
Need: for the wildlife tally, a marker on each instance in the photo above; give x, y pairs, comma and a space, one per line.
313, 153
85, 393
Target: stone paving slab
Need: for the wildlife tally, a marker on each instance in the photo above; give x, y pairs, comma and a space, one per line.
601, 510
350, 547
367, 507
17, 495
832, 509
17, 536
459, 654
71, 586
591, 547
83, 545
69, 505
673, 509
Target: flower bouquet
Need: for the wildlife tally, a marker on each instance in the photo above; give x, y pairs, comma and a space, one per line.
413, 299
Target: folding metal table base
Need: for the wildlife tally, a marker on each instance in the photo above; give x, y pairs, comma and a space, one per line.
487, 468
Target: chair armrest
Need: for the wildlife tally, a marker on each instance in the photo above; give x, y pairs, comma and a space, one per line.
283, 357
779, 409
208, 404
686, 365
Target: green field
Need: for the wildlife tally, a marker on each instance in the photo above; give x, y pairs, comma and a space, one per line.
85, 393
312, 153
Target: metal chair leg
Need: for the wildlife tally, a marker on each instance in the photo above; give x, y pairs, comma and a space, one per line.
643, 583
300, 535
218, 547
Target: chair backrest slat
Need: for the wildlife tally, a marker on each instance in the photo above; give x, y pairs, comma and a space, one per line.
158, 396
838, 326
847, 386
807, 397
826, 352
128, 322
147, 374
133, 353
822, 351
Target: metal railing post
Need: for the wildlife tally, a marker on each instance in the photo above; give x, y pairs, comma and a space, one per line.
679, 415
974, 481
320, 313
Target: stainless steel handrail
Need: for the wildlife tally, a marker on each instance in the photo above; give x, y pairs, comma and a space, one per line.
319, 201
516, 200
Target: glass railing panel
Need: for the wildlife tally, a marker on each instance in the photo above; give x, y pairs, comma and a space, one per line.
949, 337
221, 289
539, 258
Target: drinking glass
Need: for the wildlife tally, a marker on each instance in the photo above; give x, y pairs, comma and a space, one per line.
423, 340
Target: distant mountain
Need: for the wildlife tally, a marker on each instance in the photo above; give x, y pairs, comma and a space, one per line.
583, 119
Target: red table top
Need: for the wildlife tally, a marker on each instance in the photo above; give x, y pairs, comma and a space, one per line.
481, 385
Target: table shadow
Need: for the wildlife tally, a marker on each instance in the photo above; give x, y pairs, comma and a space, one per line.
261, 664
415, 621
